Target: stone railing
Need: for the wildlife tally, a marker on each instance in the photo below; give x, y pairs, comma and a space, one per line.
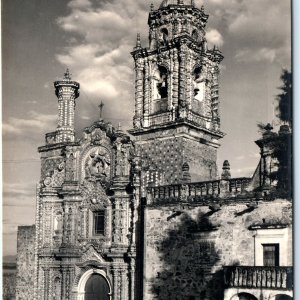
258, 277
197, 192
198, 119
160, 118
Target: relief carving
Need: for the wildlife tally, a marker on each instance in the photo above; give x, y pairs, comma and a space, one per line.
54, 173
97, 164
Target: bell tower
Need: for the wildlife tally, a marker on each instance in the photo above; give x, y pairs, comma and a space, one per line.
176, 93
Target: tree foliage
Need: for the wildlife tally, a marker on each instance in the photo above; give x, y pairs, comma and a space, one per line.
280, 143
284, 98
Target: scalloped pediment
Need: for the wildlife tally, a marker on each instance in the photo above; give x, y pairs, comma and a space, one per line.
91, 255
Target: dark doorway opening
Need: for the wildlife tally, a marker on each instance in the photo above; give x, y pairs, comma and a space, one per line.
96, 288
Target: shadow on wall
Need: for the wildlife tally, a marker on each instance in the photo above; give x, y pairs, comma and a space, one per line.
189, 256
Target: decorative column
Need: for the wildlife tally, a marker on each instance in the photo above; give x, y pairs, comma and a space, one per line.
46, 284
116, 295
66, 91
123, 283
175, 81
138, 93
215, 98
189, 79
170, 83
182, 82
146, 95
132, 278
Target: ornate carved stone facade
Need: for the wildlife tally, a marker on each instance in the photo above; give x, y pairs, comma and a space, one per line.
146, 216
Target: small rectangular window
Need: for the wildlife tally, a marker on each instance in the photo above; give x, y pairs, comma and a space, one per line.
271, 255
99, 222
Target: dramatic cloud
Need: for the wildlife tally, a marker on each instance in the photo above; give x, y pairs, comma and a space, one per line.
214, 37
36, 122
260, 28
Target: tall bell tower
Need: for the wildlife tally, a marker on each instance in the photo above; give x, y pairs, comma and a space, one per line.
176, 119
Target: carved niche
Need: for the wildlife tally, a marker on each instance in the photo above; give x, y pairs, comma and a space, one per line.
96, 164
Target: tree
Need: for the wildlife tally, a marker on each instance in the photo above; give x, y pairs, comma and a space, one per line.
285, 105
280, 143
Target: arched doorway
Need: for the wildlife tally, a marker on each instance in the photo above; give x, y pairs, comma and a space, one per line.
96, 288
94, 285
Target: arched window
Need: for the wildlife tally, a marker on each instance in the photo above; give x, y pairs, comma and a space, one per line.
160, 83
96, 287
164, 36
199, 85
195, 35
283, 297
246, 296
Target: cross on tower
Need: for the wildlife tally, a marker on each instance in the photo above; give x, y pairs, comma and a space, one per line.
101, 109
67, 75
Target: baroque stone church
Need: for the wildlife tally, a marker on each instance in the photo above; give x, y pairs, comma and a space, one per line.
144, 214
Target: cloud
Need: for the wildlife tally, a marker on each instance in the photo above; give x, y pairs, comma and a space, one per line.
214, 37
261, 29
18, 194
36, 122
252, 55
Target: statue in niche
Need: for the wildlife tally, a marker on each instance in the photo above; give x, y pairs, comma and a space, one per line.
160, 83
199, 85
70, 167
152, 38
58, 223
57, 289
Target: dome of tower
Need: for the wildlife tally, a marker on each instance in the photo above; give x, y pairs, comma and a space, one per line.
166, 3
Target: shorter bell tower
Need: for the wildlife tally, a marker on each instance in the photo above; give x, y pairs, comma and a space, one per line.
66, 91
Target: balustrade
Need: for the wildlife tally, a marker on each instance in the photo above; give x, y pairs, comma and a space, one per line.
195, 192
258, 277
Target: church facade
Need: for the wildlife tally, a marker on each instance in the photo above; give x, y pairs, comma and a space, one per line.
144, 214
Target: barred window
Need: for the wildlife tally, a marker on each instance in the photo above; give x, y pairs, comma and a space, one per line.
99, 222
271, 254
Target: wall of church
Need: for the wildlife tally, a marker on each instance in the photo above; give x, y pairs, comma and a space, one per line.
9, 281
186, 247
25, 262
167, 156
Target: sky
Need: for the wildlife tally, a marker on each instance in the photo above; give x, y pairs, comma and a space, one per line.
94, 38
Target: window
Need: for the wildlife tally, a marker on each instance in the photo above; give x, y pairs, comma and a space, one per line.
271, 254
195, 35
99, 222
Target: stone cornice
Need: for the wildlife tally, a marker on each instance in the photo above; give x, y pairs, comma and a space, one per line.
178, 123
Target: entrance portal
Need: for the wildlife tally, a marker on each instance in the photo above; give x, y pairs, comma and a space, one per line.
96, 288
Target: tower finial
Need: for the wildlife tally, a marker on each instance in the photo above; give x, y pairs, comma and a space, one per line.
138, 41
67, 75
101, 110
151, 7
226, 170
